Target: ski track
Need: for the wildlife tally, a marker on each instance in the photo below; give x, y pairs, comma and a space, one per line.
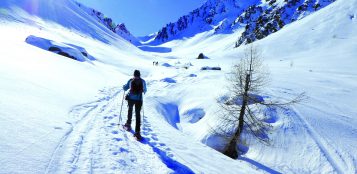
95, 144
333, 157
328, 151
343, 159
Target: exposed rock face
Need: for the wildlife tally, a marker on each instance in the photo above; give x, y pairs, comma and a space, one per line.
258, 18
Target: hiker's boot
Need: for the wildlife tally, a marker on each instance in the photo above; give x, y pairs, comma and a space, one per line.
137, 136
127, 127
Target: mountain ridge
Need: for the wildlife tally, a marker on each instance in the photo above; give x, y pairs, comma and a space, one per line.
258, 18
119, 29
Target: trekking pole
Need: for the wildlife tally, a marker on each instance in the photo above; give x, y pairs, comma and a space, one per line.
143, 109
142, 119
121, 108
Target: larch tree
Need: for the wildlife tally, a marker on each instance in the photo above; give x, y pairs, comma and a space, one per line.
245, 108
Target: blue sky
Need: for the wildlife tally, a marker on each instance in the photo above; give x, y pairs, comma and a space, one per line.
143, 17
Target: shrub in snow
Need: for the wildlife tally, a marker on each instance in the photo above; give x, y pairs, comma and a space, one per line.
187, 65
68, 50
179, 65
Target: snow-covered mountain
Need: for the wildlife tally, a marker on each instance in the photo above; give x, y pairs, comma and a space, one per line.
211, 15
259, 18
119, 29
60, 114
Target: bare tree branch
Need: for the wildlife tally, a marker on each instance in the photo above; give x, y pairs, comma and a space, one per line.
245, 109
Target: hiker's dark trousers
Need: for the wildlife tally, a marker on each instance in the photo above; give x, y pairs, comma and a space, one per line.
138, 105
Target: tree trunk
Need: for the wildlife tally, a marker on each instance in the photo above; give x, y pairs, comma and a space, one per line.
231, 149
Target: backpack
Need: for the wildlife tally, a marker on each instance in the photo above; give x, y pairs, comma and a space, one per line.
136, 86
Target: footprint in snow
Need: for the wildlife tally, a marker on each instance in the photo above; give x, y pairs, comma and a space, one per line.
148, 129
117, 139
155, 138
123, 150
108, 117
114, 132
122, 162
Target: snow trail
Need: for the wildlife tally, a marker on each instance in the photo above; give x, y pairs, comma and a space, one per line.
94, 144
331, 154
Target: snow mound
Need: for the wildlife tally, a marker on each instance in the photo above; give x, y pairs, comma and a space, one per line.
171, 113
68, 50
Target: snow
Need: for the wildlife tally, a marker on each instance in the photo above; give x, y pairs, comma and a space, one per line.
69, 50
155, 49
119, 29
58, 115
315, 55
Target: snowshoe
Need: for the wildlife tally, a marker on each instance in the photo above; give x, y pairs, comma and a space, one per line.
127, 127
137, 136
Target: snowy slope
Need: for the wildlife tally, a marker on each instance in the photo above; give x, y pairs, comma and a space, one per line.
315, 55
119, 29
59, 115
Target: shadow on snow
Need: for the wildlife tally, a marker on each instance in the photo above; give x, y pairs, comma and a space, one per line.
165, 157
259, 165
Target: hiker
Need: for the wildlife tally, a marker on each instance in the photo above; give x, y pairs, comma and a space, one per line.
137, 87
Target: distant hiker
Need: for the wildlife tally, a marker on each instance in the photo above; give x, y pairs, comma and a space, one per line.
153, 63
137, 87
157, 63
